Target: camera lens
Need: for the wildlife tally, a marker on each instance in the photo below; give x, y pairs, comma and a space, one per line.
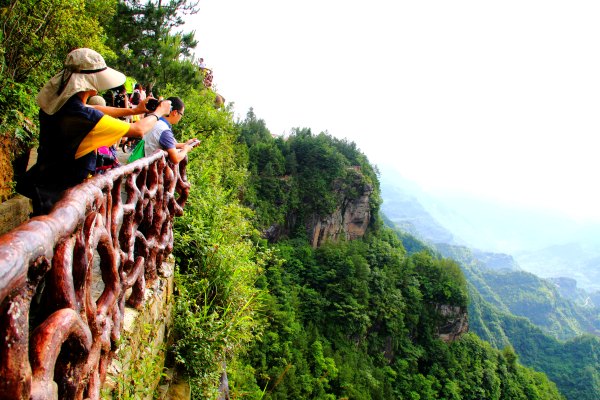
152, 104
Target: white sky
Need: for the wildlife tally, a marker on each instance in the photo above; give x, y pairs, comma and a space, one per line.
494, 99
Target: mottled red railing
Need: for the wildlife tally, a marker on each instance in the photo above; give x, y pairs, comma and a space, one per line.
56, 336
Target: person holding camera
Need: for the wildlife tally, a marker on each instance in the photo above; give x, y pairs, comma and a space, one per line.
161, 135
71, 131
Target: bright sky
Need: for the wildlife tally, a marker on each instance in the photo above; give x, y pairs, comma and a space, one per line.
494, 99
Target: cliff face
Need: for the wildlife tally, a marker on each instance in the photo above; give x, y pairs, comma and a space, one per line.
454, 323
349, 221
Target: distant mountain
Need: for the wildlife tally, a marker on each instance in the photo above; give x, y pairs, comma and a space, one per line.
572, 364
568, 289
508, 306
526, 295
497, 276
497, 297
405, 211
576, 260
548, 245
496, 261
409, 214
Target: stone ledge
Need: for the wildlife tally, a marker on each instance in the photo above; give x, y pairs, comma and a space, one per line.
14, 212
174, 387
138, 364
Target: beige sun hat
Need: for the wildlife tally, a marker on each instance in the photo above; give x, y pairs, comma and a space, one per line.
84, 69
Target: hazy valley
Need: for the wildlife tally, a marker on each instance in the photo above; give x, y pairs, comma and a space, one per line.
532, 280
547, 245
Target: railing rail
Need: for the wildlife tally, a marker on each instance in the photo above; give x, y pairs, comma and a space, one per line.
56, 338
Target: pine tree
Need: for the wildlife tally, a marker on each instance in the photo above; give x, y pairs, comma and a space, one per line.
148, 47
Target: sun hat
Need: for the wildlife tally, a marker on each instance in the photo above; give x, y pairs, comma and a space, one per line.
84, 69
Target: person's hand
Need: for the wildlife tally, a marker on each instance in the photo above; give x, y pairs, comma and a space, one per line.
164, 108
141, 107
193, 142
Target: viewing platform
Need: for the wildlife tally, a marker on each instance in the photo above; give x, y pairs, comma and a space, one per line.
66, 278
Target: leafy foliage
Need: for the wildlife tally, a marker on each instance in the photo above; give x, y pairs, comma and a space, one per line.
215, 249
355, 320
35, 37
558, 359
497, 298
524, 294
302, 176
147, 45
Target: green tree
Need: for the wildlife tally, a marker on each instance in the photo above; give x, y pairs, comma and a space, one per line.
35, 37
254, 130
147, 45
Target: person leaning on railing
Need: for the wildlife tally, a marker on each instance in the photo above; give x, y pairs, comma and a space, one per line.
161, 135
71, 131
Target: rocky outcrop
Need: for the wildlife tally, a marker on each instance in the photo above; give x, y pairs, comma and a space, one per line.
454, 322
349, 221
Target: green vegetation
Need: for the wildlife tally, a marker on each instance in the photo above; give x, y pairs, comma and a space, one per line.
519, 310
139, 377
302, 176
35, 37
526, 295
354, 319
545, 329
357, 319
571, 364
216, 251
147, 46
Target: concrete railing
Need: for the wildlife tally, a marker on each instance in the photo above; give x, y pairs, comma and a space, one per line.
57, 332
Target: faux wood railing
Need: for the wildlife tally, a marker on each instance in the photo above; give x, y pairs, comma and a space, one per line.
56, 336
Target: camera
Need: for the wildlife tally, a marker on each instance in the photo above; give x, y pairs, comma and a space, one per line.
152, 104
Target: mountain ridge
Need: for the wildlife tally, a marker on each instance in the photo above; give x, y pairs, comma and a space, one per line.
512, 307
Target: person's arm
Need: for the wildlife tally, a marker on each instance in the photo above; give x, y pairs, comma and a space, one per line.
118, 112
178, 154
181, 150
192, 142
141, 127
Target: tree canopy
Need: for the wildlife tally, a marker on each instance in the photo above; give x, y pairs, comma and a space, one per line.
147, 44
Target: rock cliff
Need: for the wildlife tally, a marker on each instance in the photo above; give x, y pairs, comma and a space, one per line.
349, 220
454, 322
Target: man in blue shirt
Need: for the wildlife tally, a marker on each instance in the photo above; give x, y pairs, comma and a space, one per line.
161, 136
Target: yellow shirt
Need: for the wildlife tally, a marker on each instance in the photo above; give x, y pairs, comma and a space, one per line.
106, 132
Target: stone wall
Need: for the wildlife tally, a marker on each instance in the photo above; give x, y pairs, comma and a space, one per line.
14, 212
138, 365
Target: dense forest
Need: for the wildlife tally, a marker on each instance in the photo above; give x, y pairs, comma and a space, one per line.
549, 332
356, 319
